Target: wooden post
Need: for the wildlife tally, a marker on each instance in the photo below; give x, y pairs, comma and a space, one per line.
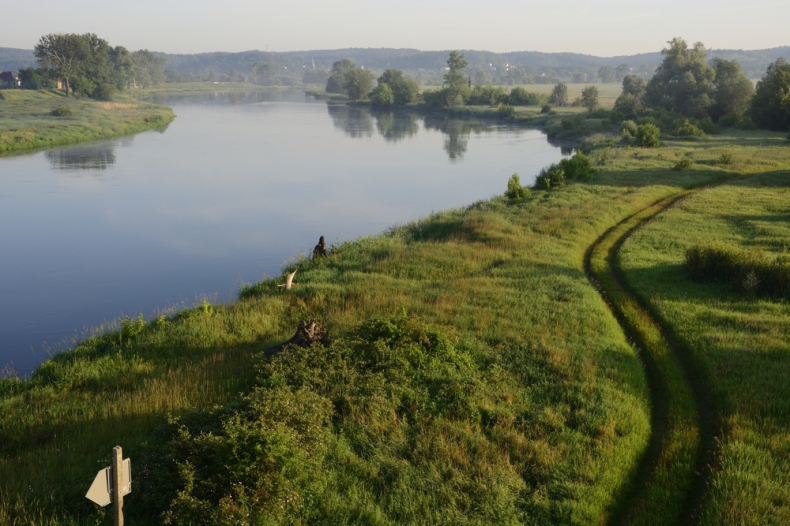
117, 482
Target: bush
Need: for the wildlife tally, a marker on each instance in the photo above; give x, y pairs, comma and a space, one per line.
751, 271
487, 95
727, 158
687, 129
578, 167
546, 108
506, 111
550, 178
521, 97
104, 92
62, 111
648, 136
683, 164
515, 190
628, 130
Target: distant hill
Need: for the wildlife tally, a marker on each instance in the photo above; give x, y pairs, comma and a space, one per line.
429, 65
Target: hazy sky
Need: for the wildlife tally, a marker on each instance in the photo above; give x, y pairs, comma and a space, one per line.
603, 27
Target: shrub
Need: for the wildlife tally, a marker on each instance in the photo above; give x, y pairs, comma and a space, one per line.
727, 158
748, 270
104, 92
550, 178
683, 164
506, 110
131, 327
487, 95
648, 136
628, 130
578, 167
521, 97
62, 111
546, 108
515, 190
687, 129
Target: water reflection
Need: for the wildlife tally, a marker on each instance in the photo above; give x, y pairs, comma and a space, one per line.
395, 126
228, 97
94, 157
356, 122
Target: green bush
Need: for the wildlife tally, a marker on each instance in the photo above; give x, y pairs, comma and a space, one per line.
521, 97
506, 111
62, 111
546, 108
577, 168
749, 270
687, 129
550, 178
683, 164
487, 95
515, 190
727, 158
131, 327
648, 136
628, 130
104, 92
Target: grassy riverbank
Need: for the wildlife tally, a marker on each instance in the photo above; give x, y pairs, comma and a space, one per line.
738, 342
45, 118
476, 376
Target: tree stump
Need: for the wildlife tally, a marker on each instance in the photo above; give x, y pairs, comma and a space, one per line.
308, 332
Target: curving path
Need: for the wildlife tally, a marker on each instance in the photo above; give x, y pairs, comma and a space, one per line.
668, 485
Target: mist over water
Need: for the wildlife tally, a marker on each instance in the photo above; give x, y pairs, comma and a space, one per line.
236, 186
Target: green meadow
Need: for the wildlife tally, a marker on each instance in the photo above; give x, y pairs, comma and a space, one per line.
540, 360
34, 119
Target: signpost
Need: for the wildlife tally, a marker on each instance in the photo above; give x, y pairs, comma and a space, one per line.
111, 484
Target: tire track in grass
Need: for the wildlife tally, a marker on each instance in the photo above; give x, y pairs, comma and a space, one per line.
668, 484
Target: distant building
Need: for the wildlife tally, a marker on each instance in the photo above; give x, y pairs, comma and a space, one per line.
9, 80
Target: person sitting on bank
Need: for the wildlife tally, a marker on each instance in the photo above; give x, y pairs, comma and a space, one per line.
320, 249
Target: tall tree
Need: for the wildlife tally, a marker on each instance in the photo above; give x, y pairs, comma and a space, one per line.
454, 78
733, 90
621, 71
606, 74
404, 90
590, 98
559, 95
359, 82
149, 68
62, 55
336, 83
771, 103
684, 80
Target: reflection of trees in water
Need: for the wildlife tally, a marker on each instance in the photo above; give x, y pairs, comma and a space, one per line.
394, 126
96, 157
457, 132
229, 97
354, 121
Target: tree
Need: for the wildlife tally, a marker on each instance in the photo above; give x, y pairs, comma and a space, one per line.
149, 69
263, 72
61, 55
771, 103
684, 81
733, 90
606, 74
559, 95
454, 78
621, 71
359, 82
631, 99
382, 95
634, 85
590, 98
336, 83
404, 90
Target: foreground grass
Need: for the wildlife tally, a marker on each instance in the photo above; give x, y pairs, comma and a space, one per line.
739, 343
26, 121
564, 393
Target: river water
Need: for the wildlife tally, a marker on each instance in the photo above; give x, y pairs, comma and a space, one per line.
236, 186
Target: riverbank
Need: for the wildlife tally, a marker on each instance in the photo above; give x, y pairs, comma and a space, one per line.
475, 373
31, 120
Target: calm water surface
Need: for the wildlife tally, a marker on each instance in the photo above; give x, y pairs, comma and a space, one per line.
226, 194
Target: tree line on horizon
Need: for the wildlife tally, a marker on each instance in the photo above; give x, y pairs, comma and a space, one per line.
686, 84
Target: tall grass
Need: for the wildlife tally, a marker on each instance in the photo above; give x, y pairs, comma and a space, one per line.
738, 341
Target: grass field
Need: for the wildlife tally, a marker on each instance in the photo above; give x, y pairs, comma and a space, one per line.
27, 122
740, 344
476, 375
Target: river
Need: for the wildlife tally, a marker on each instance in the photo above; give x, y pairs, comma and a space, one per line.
231, 190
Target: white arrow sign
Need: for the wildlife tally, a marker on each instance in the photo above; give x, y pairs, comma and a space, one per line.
100, 491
